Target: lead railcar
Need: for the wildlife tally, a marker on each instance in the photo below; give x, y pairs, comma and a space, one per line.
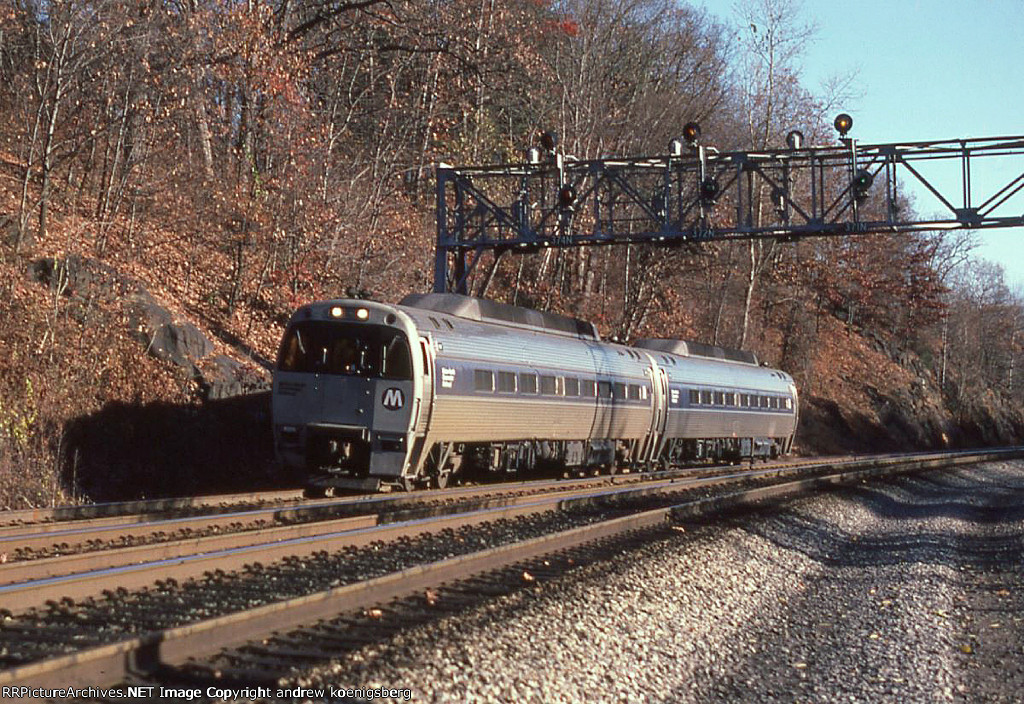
370, 395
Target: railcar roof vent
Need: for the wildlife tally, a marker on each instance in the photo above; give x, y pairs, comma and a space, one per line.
685, 348
483, 310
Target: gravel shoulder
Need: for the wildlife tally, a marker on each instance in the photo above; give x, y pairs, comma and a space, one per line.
910, 589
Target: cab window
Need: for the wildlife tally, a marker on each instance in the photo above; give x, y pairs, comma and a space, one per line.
323, 347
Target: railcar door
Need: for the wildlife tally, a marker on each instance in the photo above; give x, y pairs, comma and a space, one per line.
425, 408
659, 412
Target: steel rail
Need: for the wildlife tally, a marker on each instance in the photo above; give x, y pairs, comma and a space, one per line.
185, 561
103, 665
148, 509
62, 565
41, 568
51, 535
141, 506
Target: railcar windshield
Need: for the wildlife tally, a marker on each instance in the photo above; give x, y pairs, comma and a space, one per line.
352, 349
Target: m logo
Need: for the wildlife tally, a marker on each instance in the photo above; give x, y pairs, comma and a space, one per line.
393, 399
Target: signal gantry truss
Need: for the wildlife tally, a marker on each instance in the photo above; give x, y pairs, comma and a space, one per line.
699, 195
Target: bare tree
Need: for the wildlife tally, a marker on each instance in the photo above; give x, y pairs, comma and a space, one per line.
773, 100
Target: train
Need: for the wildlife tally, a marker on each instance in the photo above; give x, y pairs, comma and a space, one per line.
373, 396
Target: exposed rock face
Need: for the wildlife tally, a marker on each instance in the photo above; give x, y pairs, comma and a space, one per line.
178, 342
901, 408
80, 277
183, 344
223, 377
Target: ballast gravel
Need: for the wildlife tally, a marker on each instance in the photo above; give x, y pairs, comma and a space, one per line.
908, 589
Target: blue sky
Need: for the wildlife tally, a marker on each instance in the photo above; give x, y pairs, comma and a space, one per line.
927, 69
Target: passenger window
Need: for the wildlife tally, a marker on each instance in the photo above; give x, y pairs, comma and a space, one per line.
620, 391
604, 389
572, 386
719, 398
588, 388
694, 397
507, 382
547, 385
483, 380
789, 404
634, 392
528, 383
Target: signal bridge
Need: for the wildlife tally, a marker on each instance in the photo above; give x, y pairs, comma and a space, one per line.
697, 194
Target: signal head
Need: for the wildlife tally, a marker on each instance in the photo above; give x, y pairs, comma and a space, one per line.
795, 139
566, 196
862, 181
843, 123
549, 140
691, 133
709, 189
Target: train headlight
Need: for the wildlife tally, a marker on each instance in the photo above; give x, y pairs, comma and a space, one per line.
337, 312
362, 313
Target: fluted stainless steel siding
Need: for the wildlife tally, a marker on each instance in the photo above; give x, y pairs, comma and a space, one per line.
494, 418
718, 422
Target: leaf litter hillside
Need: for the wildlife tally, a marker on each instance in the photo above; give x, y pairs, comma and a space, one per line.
176, 179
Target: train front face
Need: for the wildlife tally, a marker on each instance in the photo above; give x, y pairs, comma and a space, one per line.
347, 390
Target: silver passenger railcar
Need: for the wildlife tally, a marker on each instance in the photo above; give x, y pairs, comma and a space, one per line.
368, 395
722, 404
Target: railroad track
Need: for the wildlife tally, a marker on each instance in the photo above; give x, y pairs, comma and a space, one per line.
95, 566
147, 507
357, 568
91, 528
